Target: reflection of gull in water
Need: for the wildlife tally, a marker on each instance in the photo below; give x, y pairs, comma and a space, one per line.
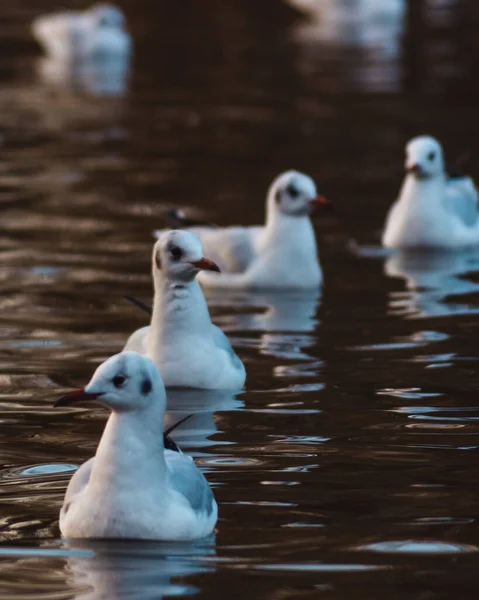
374, 26
136, 570
280, 311
102, 76
202, 405
285, 319
431, 279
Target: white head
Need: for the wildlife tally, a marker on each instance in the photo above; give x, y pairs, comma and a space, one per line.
126, 382
293, 193
106, 16
178, 256
424, 157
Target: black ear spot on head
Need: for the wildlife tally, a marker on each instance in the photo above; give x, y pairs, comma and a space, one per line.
158, 261
277, 197
431, 155
145, 387
292, 191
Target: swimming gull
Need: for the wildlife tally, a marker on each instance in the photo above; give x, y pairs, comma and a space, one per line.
182, 341
433, 209
134, 487
280, 255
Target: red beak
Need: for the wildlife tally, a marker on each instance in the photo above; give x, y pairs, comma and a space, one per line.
76, 396
206, 265
414, 168
320, 201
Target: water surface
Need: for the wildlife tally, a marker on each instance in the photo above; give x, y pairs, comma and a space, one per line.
347, 468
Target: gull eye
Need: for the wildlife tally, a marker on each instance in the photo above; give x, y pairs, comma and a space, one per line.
176, 252
292, 191
118, 380
431, 156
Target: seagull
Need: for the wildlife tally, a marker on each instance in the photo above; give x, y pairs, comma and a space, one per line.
134, 487
96, 33
433, 210
281, 255
182, 341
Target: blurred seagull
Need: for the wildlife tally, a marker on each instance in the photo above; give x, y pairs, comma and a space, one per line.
134, 487
96, 33
433, 210
182, 341
282, 254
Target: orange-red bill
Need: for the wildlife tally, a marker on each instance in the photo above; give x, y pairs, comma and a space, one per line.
320, 201
206, 264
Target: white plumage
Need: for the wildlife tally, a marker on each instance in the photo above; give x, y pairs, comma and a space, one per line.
98, 32
282, 254
432, 211
182, 341
134, 487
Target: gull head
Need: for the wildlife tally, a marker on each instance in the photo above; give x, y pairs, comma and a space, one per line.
424, 158
178, 256
106, 16
293, 193
126, 382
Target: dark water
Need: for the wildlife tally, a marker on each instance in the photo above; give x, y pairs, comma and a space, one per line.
348, 467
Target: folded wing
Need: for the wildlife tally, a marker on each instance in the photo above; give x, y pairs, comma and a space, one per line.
462, 200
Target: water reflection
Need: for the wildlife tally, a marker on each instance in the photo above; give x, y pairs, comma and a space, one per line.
210, 119
285, 320
135, 569
97, 76
271, 311
202, 406
433, 280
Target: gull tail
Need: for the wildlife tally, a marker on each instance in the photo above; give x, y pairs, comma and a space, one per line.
177, 219
169, 443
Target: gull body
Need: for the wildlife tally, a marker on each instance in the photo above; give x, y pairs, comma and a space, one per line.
280, 255
432, 211
181, 340
134, 487
98, 32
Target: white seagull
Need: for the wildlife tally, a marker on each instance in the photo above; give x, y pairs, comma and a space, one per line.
96, 33
182, 341
280, 255
433, 210
134, 487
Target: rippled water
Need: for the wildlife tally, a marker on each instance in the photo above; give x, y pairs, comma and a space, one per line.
347, 468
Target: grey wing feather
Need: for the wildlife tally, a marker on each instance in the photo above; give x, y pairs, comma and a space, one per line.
189, 481
79, 480
462, 199
232, 248
223, 342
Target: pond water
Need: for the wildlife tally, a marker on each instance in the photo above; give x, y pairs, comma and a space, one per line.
348, 466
